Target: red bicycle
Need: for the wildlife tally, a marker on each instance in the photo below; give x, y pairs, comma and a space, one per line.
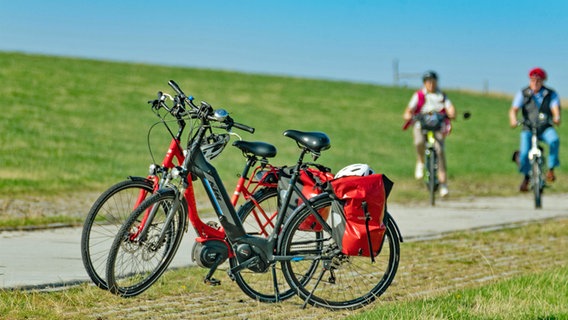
113, 206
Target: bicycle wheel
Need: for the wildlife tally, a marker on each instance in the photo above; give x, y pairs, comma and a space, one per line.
103, 221
431, 172
350, 282
257, 220
134, 264
537, 184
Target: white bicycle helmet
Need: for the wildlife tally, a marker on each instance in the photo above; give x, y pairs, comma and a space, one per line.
357, 169
213, 145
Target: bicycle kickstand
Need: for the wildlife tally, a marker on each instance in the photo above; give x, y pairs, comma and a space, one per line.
327, 266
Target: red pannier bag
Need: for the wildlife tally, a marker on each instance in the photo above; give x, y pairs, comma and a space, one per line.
357, 221
310, 182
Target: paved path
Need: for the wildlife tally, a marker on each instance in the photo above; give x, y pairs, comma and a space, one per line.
52, 257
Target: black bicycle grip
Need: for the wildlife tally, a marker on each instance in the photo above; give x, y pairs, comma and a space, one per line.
243, 127
176, 88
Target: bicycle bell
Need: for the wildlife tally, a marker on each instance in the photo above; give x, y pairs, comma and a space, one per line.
220, 115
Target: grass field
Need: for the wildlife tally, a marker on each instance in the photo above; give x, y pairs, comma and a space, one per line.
72, 125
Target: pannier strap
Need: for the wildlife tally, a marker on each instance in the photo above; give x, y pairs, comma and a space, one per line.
367, 218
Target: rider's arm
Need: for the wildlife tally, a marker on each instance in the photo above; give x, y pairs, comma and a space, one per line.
555, 109
513, 116
517, 101
450, 109
556, 115
409, 111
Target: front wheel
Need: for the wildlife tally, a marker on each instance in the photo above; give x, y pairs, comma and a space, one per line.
339, 281
431, 173
537, 184
103, 221
135, 261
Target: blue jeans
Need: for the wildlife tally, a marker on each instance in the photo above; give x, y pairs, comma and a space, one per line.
550, 137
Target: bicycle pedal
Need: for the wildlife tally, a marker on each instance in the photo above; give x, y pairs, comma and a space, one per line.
212, 282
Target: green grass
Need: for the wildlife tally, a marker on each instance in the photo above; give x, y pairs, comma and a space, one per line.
79, 125
535, 296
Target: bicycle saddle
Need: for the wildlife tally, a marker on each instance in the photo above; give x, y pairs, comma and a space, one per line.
314, 141
261, 149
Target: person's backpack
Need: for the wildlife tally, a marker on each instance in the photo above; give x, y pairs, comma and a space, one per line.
419, 104
358, 212
310, 182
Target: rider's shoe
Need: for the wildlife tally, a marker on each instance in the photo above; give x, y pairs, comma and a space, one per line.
444, 191
524, 185
550, 177
419, 171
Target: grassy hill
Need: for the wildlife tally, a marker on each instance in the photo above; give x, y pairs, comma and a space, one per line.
72, 125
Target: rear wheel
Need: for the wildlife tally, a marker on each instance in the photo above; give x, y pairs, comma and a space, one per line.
136, 262
325, 277
103, 221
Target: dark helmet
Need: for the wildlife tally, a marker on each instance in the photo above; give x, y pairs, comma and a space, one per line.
429, 75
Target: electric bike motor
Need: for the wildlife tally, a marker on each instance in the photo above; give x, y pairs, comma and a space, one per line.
244, 252
210, 252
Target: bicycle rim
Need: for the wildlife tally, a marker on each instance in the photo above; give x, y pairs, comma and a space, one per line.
134, 264
340, 282
259, 222
103, 222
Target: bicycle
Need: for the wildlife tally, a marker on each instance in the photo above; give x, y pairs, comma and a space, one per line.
114, 205
430, 124
537, 181
148, 240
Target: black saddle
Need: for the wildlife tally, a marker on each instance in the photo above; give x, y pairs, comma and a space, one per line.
261, 149
313, 141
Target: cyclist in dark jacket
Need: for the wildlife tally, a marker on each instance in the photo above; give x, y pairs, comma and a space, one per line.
540, 105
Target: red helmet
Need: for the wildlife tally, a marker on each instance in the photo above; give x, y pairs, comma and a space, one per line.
537, 73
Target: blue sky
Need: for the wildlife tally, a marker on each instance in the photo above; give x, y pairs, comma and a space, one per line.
472, 44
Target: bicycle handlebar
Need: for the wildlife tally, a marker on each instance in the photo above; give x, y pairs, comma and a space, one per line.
226, 119
176, 88
241, 126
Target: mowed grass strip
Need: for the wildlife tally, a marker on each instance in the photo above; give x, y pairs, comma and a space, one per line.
516, 273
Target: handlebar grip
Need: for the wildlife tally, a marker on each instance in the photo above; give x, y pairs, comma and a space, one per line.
243, 127
176, 88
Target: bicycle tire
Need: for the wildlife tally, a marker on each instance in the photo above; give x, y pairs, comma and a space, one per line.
431, 169
260, 286
537, 184
103, 221
134, 265
356, 281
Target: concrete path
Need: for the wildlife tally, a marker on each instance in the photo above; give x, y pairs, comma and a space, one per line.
52, 258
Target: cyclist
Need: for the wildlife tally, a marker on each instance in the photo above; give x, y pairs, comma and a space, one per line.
540, 105
430, 99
